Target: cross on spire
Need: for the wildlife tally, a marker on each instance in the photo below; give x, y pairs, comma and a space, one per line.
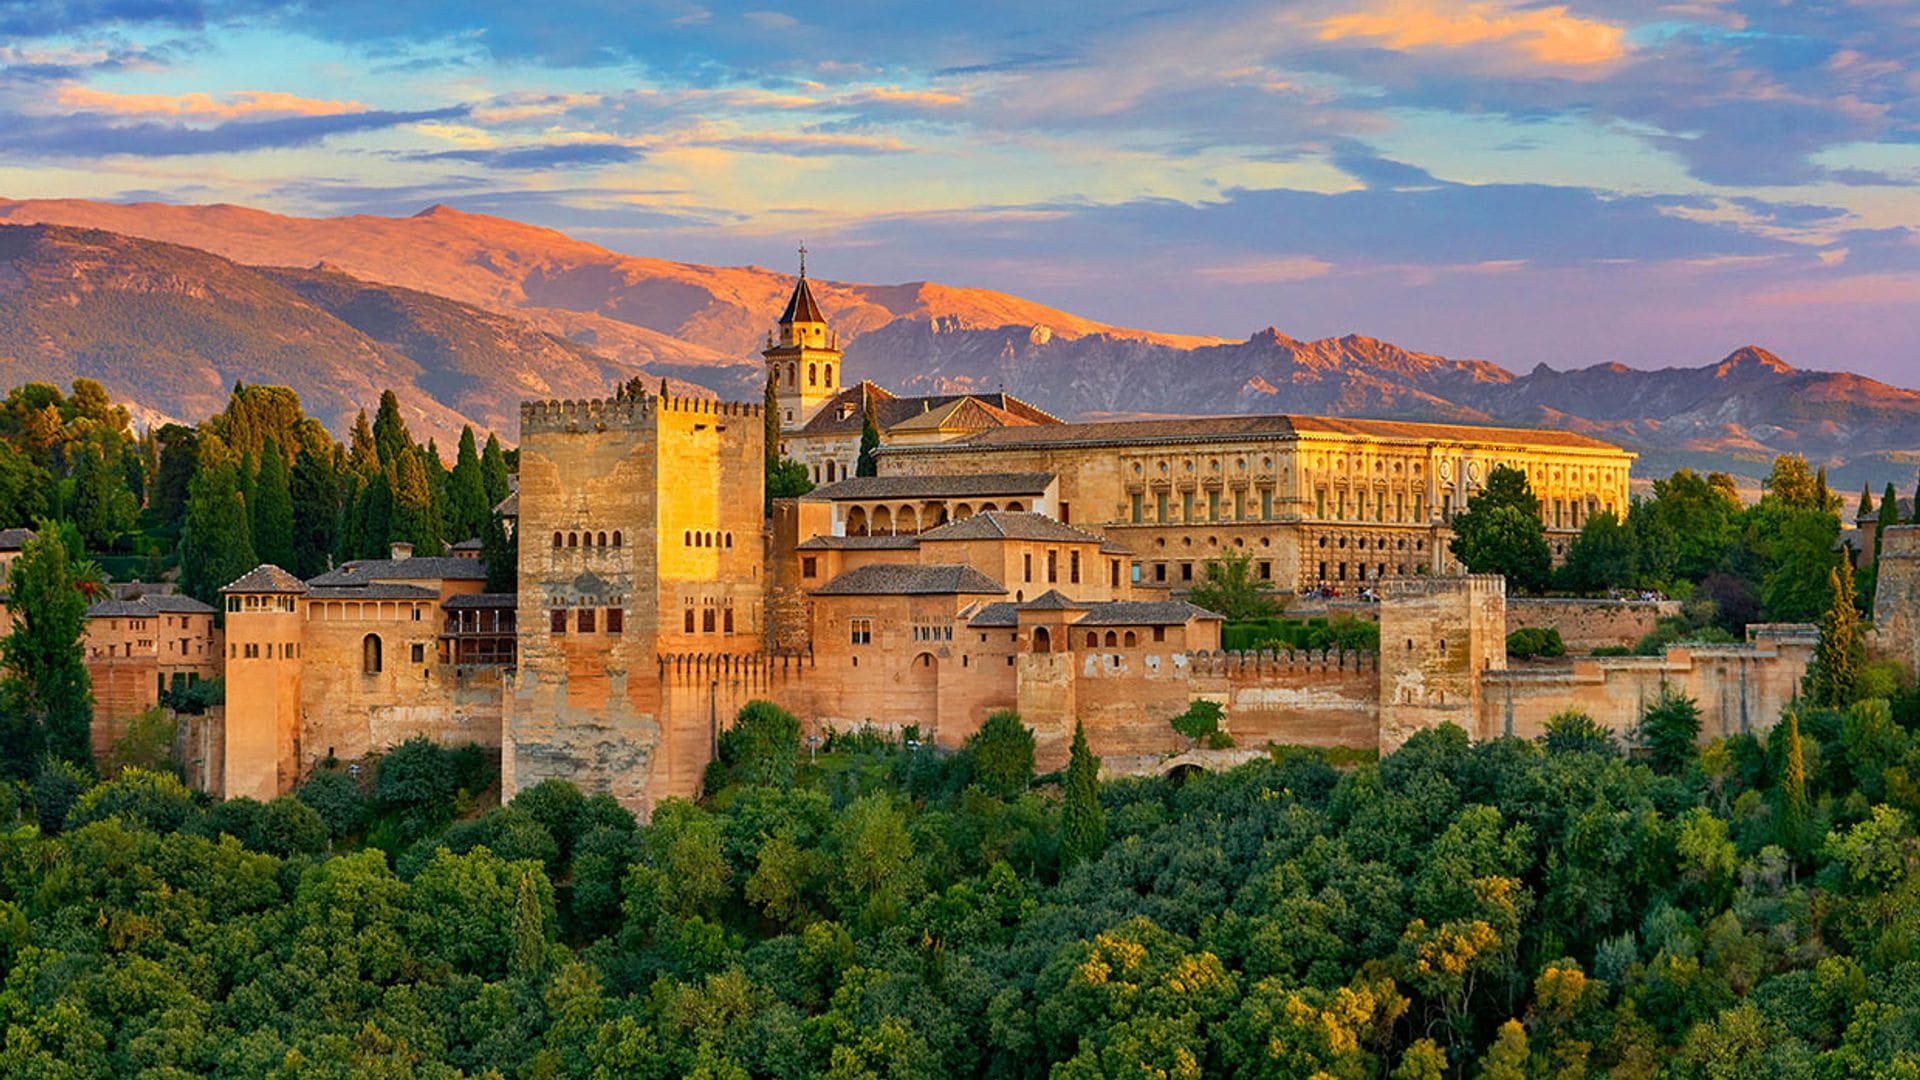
803, 258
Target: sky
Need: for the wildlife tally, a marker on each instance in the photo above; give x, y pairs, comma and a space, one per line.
1565, 183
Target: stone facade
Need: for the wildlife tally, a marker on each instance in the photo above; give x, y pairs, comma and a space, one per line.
1896, 601
1586, 625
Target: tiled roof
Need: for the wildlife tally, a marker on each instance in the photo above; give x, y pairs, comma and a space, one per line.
1143, 613
973, 485
14, 539
266, 578
844, 413
1110, 546
1234, 428
415, 568
1010, 525
886, 580
121, 609
858, 543
1001, 614
509, 506
1052, 600
800, 306
467, 545
176, 604
460, 601
371, 591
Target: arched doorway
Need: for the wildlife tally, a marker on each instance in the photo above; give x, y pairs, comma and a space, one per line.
1042, 640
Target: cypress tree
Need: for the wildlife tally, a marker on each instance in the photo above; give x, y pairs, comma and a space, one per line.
1834, 674
272, 509
494, 471
1889, 515
529, 930
1915, 520
1083, 822
770, 420
467, 505
47, 694
415, 517
373, 513
390, 436
362, 454
1866, 503
315, 494
501, 552
179, 460
869, 442
1793, 791
216, 539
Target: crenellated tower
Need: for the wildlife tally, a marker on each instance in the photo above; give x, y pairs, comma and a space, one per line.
804, 358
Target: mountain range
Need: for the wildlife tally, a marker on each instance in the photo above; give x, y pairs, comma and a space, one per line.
465, 314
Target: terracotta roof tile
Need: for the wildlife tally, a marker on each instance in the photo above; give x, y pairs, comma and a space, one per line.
1009, 525
934, 487
1229, 428
266, 578
889, 580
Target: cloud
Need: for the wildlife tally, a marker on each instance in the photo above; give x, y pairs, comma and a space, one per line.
201, 106
542, 155
1548, 36
93, 134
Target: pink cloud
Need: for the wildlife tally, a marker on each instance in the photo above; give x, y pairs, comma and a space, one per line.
1550, 36
201, 106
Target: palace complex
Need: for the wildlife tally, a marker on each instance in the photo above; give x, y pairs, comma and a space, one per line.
999, 559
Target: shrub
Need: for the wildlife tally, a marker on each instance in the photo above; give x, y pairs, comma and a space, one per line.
56, 788
557, 806
336, 797
139, 797
1530, 642
195, 697
416, 775
1002, 754
1613, 650
1576, 732
290, 827
238, 817
762, 748
1201, 723
1669, 731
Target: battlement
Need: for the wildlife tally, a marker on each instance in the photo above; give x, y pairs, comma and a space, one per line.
1408, 588
1281, 661
628, 413
1900, 542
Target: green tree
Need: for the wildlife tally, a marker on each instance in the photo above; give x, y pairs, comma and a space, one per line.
363, 455
272, 518
761, 748
373, 519
1834, 673
787, 480
1201, 723
1794, 821
529, 930
24, 486
1604, 556
1002, 754
314, 491
46, 694
867, 465
1500, 532
1083, 821
179, 460
415, 518
1229, 587
1685, 531
391, 440
1797, 554
500, 551
216, 540
1507, 1058
1865, 510
467, 504
494, 471
1798, 486
101, 505
1670, 731
1889, 516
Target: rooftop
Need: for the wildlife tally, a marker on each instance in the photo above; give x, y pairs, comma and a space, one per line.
800, 306
463, 601
266, 578
1243, 428
845, 412
14, 539
889, 580
414, 568
1144, 613
371, 591
972, 485
858, 543
1010, 525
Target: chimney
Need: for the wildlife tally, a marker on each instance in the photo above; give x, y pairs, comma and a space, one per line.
401, 550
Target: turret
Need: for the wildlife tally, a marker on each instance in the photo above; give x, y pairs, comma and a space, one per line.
803, 358
265, 641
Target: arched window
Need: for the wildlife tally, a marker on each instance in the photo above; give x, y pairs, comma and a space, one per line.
600, 540
1093, 639
1130, 640
556, 539
686, 539
793, 378
813, 375
573, 540
829, 374
1113, 639
1042, 641
370, 654
729, 541
829, 472
616, 538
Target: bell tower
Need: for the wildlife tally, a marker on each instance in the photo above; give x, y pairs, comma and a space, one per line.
804, 359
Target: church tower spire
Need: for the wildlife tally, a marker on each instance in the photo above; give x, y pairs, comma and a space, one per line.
804, 359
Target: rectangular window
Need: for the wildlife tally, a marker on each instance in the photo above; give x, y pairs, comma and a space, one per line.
1026, 565
616, 620
1186, 506
1320, 502
1113, 566
1186, 571
809, 566
1446, 507
1159, 633
559, 623
1160, 571
419, 652
1400, 506
416, 613
1160, 506
1138, 508
1340, 504
1417, 504
1266, 571
1066, 513
1213, 506
706, 621
584, 623
1266, 504
726, 621
860, 631
689, 621
1053, 566
1073, 567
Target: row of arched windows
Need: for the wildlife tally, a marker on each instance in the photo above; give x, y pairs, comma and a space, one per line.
813, 374
1113, 641
586, 539
707, 539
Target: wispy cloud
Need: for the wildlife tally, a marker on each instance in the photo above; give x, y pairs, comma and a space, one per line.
201, 106
1551, 37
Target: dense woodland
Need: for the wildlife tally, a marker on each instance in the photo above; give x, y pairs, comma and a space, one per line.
1577, 905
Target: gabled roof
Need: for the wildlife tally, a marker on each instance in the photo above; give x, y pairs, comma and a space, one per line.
1000, 614
472, 544
889, 580
414, 568
966, 485
176, 604
266, 578
893, 412
509, 506
121, 609
1052, 600
800, 306
858, 543
1144, 613
1010, 525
